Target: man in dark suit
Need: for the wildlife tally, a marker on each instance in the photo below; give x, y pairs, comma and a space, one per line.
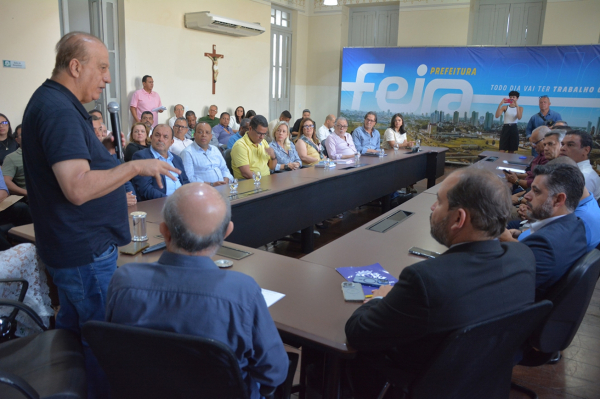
146, 187
477, 279
557, 237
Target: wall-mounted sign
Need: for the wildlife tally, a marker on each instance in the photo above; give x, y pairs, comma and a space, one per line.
13, 64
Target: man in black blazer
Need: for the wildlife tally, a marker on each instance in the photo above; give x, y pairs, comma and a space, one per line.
557, 237
147, 188
477, 279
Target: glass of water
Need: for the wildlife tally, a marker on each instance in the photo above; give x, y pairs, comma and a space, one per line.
418, 143
233, 185
256, 176
381, 153
396, 147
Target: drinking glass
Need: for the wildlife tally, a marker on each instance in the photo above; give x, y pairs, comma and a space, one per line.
233, 185
381, 153
396, 147
139, 226
256, 176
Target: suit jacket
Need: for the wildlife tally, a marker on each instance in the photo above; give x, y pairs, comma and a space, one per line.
469, 283
146, 186
556, 246
191, 295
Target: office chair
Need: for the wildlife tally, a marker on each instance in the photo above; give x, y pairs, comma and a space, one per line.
45, 365
570, 296
146, 363
8, 324
475, 361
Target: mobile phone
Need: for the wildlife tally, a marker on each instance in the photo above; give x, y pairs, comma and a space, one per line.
491, 159
353, 292
423, 252
134, 247
508, 101
232, 253
376, 282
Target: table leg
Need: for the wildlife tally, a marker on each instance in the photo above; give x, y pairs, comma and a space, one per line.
385, 203
431, 169
333, 365
307, 239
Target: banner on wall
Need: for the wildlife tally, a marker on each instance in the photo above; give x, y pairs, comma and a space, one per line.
449, 95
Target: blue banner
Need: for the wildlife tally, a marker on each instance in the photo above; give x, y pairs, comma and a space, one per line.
464, 85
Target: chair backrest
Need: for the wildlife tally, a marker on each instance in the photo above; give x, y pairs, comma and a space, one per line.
477, 361
324, 145
570, 297
227, 156
145, 363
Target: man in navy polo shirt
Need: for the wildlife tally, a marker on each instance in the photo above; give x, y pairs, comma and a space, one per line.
75, 187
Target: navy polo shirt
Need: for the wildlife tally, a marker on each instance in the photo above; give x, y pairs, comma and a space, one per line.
59, 129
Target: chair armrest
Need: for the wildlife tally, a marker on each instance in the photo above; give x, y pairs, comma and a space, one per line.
19, 384
24, 287
29, 311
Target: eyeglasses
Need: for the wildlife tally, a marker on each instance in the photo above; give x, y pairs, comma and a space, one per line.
4, 123
543, 97
309, 126
261, 134
342, 126
370, 120
539, 141
179, 127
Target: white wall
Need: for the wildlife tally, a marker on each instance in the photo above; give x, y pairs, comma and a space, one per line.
30, 30
572, 22
433, 27
158, 44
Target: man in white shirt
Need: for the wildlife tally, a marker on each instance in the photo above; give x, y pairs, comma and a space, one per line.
180, 142
179, 109
577, 145
327, 128
204, 162
284, 117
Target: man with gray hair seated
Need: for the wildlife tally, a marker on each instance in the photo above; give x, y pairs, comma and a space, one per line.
185, 292
536, 139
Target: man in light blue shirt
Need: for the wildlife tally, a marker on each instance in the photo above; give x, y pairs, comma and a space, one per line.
203, 162
244, 126
366, 138
544, 117
147, 187
222, 132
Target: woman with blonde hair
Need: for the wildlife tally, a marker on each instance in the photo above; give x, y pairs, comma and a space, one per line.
307, 144
287, 156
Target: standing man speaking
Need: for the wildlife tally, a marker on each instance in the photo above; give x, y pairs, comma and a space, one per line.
75, 187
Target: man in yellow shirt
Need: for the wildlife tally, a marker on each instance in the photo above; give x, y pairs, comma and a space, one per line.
252, 153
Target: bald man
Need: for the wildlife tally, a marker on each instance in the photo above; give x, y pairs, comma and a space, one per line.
186, 292
327, 128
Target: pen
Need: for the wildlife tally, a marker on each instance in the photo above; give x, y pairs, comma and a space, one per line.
368, 296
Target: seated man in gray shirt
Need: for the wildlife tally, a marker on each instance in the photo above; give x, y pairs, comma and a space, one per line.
186, 292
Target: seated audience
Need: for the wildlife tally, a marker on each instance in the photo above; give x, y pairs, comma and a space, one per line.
244, 126
476, 279
296, 127
395, 134
190, 116
552, 141
252, 153
211, 117
203, 162
327, 128
97, 123
147, 187
148, 120
287, 156
250, 114
138, 139
179, 109
340, 144
536, 139
98, 113
587, 210
557, 238
285, 116
23, 262
366, 138
222, 132
307, 144
577, 145
8, 143
185, 292
12, 169
180, 142
234, 121
16, 214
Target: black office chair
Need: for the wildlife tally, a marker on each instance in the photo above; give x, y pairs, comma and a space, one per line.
146, 363
45, 365
476, 361
8, 324
571, 296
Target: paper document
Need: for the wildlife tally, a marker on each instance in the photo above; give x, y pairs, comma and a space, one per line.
163, 108
271, 296
8, 201
347, 161
511, 169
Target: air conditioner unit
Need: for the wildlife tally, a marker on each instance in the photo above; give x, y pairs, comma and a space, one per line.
213, 23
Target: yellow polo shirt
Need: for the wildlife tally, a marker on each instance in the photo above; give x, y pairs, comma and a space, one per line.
245, 152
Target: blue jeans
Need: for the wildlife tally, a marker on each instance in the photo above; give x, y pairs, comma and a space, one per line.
82, 296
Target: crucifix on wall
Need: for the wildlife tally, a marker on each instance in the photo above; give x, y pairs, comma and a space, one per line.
214, 57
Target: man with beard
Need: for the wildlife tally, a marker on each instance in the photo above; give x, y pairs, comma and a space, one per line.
557, 238
477, 279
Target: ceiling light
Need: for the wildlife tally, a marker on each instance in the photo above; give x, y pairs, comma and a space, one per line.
330, 3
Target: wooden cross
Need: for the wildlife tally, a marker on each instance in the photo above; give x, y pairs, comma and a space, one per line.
214, 57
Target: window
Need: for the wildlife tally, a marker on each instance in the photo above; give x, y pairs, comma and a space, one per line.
280, 18
509, 22
373, 27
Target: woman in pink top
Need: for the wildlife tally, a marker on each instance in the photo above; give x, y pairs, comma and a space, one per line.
340, 145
